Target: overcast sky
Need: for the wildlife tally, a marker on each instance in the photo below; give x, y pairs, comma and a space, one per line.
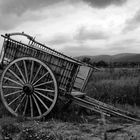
76, 27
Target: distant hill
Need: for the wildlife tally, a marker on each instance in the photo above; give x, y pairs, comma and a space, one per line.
97, 58
128, 58
123, 57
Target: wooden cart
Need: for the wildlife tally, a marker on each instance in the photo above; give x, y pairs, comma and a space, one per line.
35, 76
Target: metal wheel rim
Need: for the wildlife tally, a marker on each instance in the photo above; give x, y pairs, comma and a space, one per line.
29, 88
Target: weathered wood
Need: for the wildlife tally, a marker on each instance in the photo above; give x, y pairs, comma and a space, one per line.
62, 68
30, 95
78, 94
40, 72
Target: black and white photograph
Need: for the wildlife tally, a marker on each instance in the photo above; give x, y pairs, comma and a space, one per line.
69, 69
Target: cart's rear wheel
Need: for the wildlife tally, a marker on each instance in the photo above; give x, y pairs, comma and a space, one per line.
28, 88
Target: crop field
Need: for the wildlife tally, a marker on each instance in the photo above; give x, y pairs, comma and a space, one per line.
119, 87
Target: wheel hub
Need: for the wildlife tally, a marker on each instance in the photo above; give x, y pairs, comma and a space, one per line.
28, 89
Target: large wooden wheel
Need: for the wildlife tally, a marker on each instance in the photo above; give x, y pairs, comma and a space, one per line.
28, 88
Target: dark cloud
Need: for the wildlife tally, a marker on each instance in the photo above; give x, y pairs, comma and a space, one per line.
133, 23
104, 3
84, 34
15, 12
11, 21
20, 6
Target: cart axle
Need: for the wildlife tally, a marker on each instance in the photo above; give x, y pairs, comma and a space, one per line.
28, 89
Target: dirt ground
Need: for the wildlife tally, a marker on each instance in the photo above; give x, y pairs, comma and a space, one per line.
52, 129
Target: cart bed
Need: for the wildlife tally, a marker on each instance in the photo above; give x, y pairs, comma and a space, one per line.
64, 69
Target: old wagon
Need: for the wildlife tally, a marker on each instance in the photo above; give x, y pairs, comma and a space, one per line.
35, 76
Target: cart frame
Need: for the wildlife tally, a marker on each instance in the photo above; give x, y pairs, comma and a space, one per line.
35, 76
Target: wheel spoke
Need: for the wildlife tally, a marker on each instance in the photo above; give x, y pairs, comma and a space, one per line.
12, 93
48, 82
15, 75
40, 89
25, 68
31, 106
25, 106
15, 99
12, 87
41, 101
7, 78
44, 96
41, 78
37, 105
20, 72
32, 66
20, 103
37, 73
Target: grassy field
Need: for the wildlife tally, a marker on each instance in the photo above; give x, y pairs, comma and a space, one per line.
120, 87
116, 86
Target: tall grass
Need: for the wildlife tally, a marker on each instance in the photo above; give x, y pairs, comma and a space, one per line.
118, 86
